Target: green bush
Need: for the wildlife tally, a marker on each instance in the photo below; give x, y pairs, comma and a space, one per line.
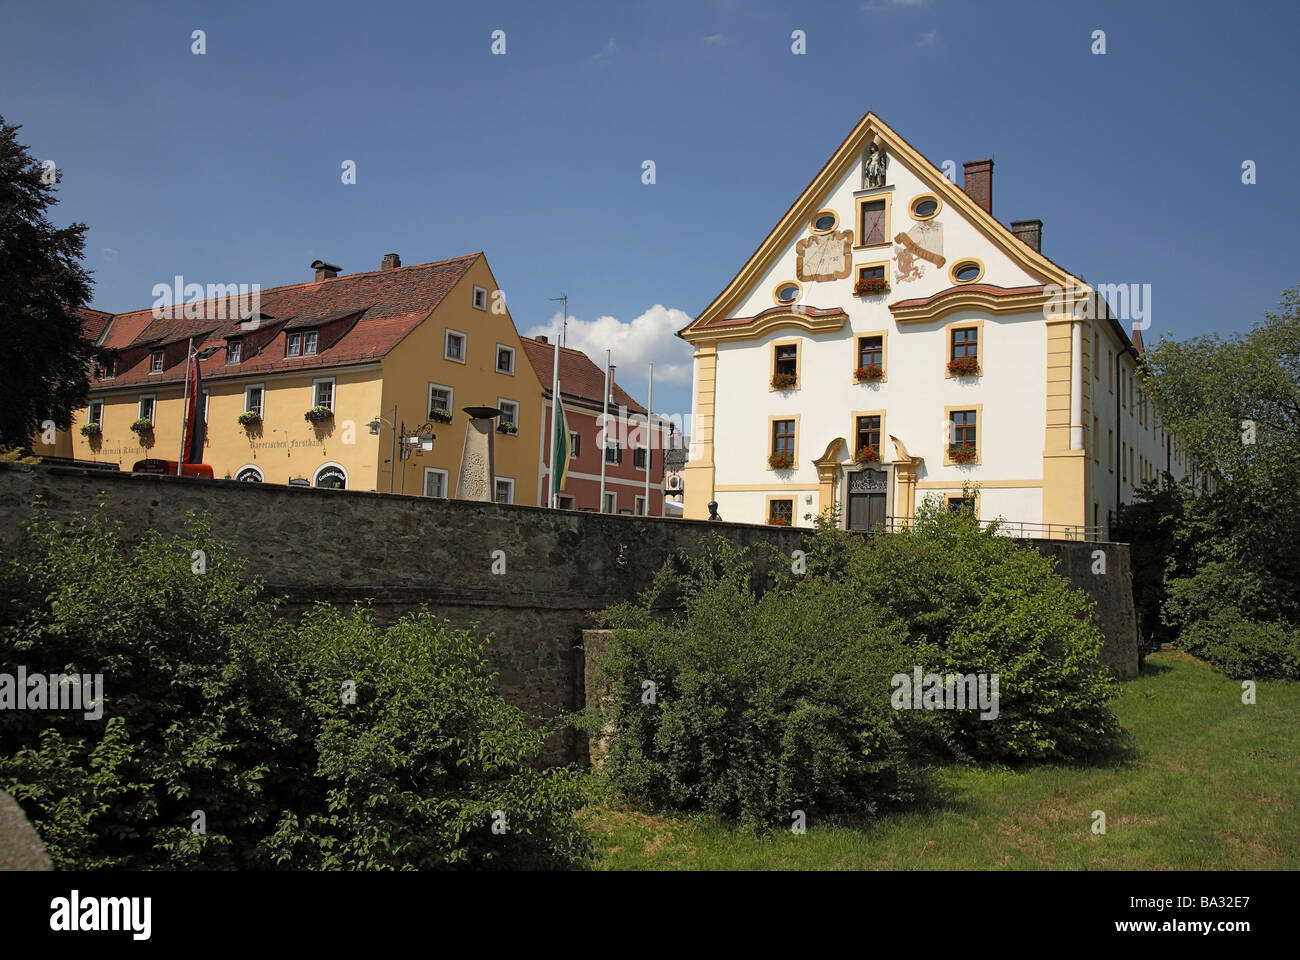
214, 704
761, 705
1246, 649
971, 601
768, 701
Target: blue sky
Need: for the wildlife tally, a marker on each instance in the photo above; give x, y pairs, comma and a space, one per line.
226, 167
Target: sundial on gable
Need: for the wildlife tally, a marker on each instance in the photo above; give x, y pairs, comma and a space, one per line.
825, 256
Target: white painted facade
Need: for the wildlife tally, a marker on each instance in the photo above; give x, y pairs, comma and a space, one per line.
1036, 400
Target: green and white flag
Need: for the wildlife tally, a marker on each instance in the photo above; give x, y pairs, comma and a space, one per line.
559, 450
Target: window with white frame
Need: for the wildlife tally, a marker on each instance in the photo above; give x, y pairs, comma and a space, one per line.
505, 490
144, 410
480, 298
435, 482
253, 396
610, 504
156, 362
293, 345
454, 346
439, 399
233, 349
640, 507
575, 444
323, 393
509, 412
505, 359
95, 413
309, 338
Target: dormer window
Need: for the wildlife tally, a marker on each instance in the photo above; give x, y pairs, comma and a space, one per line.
301, 344
309, 338
233, 349
293, 346
156, 362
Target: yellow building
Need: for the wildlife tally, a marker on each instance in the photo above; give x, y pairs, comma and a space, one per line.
375, 355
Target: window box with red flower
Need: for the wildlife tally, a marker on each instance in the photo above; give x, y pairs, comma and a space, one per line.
870, 286
866, 455
784, 381
964, 366
779, 522
960, 453
780, 461
867, 373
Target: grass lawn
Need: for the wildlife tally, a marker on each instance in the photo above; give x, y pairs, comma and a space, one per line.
1208, 784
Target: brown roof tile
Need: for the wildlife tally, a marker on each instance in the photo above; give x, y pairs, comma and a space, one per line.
375, 310
580, 378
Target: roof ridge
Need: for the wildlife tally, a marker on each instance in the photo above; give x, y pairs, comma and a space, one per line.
304, 283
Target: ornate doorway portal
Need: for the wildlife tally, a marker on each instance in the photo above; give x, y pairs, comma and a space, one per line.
868, 493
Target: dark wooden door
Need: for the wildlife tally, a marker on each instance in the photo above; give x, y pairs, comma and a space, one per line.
867, 490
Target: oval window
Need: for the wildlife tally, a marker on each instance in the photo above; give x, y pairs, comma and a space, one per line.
966, 272
824, 223
925, 208
787, 293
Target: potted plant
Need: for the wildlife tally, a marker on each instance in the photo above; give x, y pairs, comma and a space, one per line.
868, 371
250, 418
870, 286
961, 453
866, 455
778, 522
91, 430
143, 425
780, 460
317, 414
439, 415
505, 426
784, 381
964, 366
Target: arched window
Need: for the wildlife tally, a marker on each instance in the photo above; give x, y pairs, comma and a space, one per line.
250, 474
331, 476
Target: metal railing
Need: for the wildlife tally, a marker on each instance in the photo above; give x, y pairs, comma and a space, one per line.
1019, 529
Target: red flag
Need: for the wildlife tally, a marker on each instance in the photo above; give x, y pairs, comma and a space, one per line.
195, 426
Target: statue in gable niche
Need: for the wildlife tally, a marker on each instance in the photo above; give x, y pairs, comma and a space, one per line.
873, 166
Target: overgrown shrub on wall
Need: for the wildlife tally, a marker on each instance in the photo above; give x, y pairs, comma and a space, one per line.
750, 707
769, 701
227, 738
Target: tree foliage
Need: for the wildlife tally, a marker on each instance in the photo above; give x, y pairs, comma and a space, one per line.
42, 283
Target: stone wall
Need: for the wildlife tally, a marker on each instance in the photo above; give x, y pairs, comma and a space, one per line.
401, 552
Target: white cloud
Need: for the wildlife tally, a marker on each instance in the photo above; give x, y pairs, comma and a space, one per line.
715, 40
927, 39
108, 253
650, 337
611, 48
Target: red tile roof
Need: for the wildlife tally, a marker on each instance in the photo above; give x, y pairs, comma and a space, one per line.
372, 312
93, 322
580, 378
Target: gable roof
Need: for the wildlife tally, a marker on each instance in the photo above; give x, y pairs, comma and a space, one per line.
845, 156
372, 312
580, 379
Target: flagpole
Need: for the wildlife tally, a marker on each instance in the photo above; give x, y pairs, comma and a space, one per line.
649, 443
185, 405
604, 429
553, 493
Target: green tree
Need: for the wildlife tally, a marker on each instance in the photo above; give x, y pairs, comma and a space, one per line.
42, 284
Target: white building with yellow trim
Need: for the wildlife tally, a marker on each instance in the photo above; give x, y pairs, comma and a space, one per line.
981, 363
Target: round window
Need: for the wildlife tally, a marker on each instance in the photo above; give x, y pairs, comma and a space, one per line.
824, 223
966, 272
787, 293
925, 208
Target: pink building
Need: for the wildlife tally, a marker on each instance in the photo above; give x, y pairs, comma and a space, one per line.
631, 447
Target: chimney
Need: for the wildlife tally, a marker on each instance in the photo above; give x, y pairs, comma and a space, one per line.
391, 262
979, 182
541, 339
325, 271
1030, 232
